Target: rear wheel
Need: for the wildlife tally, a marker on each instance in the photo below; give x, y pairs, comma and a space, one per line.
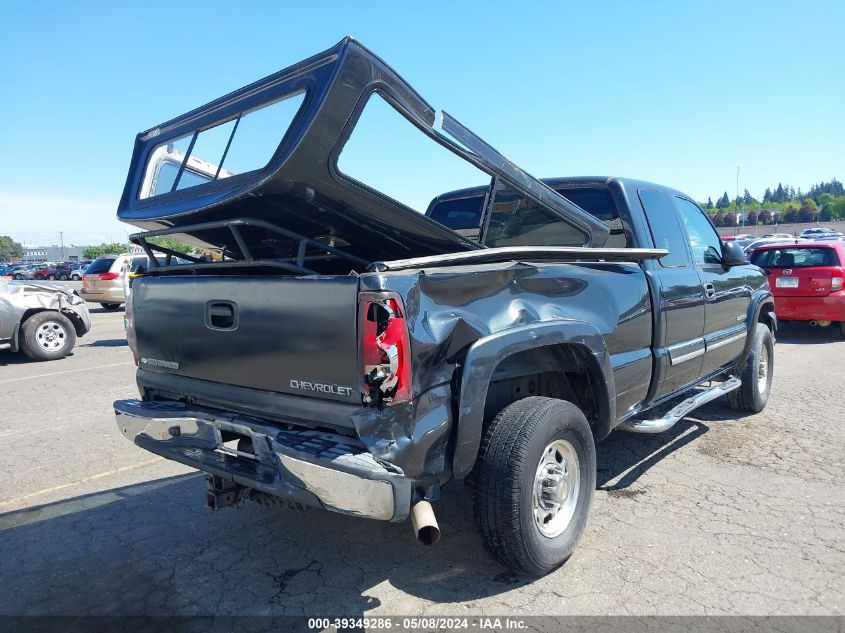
75, 277
110, 306
63, 277
18, 276
535, 477
755, 373
51, 277
47, 336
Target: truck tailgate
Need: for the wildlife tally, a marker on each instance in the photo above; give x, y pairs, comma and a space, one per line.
290, 335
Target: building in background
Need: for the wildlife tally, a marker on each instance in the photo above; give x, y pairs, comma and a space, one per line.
52, 253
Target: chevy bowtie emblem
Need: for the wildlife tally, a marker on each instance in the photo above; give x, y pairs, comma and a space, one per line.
787, 271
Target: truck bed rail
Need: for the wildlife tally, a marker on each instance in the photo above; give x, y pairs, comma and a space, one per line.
527, 253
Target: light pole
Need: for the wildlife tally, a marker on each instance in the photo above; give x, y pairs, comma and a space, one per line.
738, 201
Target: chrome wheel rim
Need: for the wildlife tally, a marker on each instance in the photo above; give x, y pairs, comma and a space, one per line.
51, 336
763, 370
556, 488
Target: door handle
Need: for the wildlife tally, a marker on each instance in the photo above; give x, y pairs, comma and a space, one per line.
709, 290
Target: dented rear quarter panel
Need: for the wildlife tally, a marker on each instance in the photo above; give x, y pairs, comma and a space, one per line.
453, 310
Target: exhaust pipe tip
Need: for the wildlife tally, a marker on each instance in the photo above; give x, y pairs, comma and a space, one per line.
429, 535
425, 524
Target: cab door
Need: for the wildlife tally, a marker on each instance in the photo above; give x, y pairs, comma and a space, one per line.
679, 299
727, 291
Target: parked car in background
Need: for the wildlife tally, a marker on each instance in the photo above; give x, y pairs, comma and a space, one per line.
12, 268
755, 244
818, 231
102, 281
807, 281
781, 236
42, 321
25, 271
833, 235
741, 236
105, 282
76, 273
59, 271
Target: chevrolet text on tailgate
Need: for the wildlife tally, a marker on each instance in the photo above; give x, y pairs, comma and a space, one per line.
352, 353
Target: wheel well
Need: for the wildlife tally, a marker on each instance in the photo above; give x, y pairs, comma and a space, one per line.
30, 312
765, 316
555, 371
70, 314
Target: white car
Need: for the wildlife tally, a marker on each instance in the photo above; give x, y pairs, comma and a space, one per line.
105, 280
749, 248
820, 231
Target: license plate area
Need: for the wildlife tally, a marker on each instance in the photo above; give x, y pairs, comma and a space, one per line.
786, 282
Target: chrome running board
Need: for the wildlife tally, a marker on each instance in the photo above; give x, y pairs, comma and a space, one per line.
680, 410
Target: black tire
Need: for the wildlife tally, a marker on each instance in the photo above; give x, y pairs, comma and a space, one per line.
63, 277
41, 332
504, 482
51, 277
18, 276
75, 277
111, 306
751, 396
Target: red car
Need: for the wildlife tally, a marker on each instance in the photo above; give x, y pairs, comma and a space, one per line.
806, 280
53, 272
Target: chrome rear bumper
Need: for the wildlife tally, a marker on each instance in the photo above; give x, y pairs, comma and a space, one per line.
305, 467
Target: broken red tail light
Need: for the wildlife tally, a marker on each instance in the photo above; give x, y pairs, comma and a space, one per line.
108, 276
385, 349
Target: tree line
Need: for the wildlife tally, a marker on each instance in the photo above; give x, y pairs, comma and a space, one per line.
12, 250
9, 249
823, 202
93, 252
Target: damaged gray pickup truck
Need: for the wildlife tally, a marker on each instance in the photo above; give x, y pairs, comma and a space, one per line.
41, 319
354, 353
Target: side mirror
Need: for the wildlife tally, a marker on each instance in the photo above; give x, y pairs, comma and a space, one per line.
732, 254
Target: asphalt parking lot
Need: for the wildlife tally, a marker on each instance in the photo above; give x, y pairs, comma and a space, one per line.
718, 515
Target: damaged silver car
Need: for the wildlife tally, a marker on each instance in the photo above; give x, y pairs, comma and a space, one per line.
41, 320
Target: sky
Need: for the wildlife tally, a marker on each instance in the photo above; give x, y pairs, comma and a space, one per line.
679, 93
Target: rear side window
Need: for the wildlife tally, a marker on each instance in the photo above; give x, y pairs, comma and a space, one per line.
463, 213
100, 265
597, 202
600, 203
795, 257
665, 227
516, 221
139, 262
